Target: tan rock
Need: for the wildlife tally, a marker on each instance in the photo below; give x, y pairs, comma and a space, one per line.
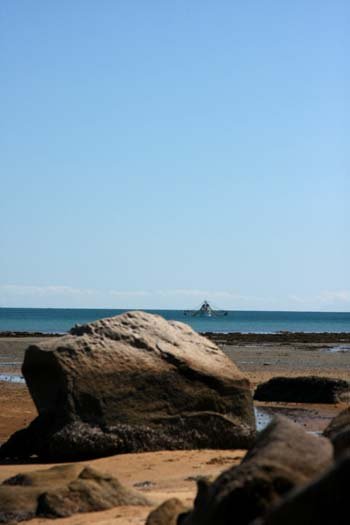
167, 513
62, 491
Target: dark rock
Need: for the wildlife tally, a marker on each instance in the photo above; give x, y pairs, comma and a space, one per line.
338, 431
322, 502
130, 383
167, 513
308, 389
62, 491
284, 457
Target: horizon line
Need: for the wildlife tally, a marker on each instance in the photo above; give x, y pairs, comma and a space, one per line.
126, 309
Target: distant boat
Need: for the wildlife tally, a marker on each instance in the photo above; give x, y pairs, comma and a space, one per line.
205, 310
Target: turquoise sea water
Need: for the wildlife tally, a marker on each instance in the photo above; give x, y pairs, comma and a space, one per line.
61, 320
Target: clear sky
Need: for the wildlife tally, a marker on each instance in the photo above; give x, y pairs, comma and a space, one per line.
156, 153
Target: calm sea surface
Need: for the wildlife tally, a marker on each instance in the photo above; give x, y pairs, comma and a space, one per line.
62, 319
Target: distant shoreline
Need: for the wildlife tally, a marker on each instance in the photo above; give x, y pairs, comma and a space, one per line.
12, 333
278, 337
229, 337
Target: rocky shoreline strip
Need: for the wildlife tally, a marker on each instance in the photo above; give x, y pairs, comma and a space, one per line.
230, 337
10, 333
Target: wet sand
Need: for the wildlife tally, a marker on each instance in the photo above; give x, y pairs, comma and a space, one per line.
12, 351
320, 354
162, 475
263, 361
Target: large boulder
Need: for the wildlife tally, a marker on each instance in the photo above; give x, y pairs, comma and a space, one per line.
129, 383
62, 491
338, 431
304, 389
284, 457
322, 502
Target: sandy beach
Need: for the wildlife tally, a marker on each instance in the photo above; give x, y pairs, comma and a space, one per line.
165, 474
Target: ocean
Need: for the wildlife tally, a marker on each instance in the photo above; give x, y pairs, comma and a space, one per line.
60, 320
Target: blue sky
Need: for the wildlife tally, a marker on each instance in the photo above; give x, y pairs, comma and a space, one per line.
154, 154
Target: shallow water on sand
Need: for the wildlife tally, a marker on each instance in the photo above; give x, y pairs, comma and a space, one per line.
339, 348
12, 378
262, 418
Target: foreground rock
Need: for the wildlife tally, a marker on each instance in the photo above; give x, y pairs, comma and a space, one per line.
338, 431
131, 383
284, 457
323, 502
167, 513
311, 389
62, 491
